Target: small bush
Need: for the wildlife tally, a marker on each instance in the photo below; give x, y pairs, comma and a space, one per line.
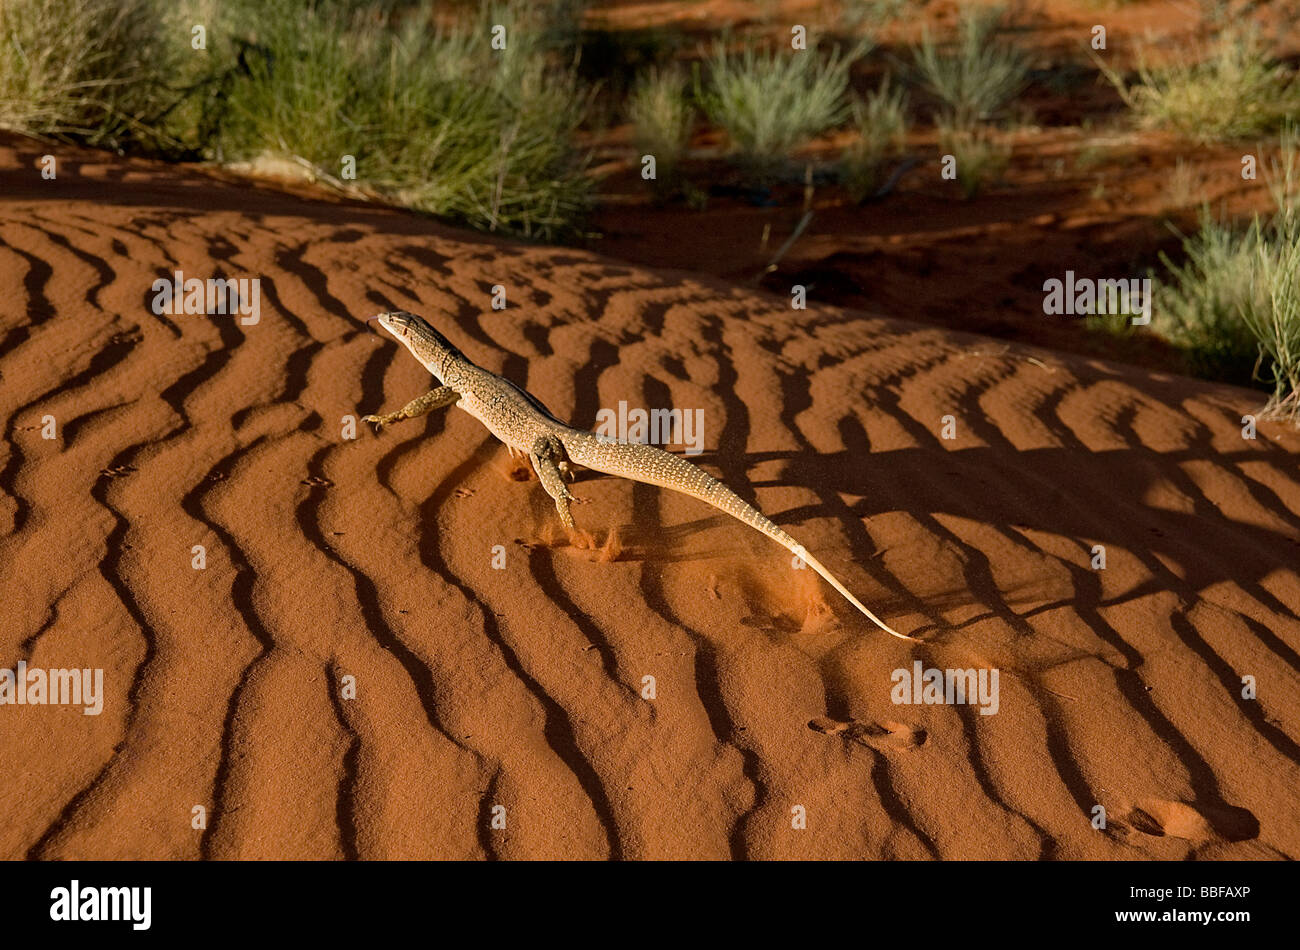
97, 70
979, 155
978, 77
1118, 326
769, 103
1235, 92
1272, 309
1233, 306
662, 115
1198, 305
436, 120
881, 124
1272, 313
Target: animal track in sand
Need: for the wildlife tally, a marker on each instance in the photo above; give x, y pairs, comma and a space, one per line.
117, 471
882, 736
317, 482
1190, 821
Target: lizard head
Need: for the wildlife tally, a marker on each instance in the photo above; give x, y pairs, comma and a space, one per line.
426, 344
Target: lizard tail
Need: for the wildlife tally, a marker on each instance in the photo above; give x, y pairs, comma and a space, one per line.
801, 552
652, 466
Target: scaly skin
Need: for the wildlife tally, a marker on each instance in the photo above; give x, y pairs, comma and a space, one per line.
526, 426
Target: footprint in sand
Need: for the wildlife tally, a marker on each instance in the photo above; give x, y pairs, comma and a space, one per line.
882, 736
519, 471
463, 492
317, 482
117, 471
1192, 822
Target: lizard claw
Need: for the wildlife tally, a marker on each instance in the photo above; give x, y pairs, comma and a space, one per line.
375, 421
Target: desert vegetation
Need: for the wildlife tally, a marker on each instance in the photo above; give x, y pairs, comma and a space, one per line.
431, 115
770, 102
1232, 88
880, 126
662, 114
99, 70
1232, 304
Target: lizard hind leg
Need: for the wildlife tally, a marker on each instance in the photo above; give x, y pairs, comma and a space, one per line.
544, 456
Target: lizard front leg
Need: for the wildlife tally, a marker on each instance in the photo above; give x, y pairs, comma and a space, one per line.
546, 456
433, 399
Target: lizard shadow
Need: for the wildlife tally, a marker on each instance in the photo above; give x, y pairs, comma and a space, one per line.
1095, 496
1090, 498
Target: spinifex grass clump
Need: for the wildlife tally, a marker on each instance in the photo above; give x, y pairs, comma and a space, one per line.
979, 155
661, 116
974, 79
1233, 306
773, 101
102, 71
436, 119
1272, 312
1198, 306
880, 121
1235, 91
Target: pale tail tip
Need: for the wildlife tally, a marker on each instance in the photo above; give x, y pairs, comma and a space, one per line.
887, 628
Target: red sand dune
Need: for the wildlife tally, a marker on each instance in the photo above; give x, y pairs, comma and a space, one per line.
372, 558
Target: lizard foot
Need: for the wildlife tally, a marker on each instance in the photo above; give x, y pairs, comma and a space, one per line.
376, 421
518, 470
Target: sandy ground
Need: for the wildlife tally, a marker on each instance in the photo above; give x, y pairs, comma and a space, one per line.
371, 558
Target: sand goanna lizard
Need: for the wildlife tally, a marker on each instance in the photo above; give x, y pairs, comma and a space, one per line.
519, 420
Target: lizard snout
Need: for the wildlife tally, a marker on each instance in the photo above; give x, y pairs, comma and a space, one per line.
398, 328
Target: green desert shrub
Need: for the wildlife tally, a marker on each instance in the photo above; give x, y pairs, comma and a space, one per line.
661, 115
1199, 302
1272, 313
1236, 91
979, 154
974, 79
101, 71
771, 102
880, 126
435, 119
1233, 304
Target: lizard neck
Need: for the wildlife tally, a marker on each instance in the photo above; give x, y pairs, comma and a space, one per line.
439, 357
